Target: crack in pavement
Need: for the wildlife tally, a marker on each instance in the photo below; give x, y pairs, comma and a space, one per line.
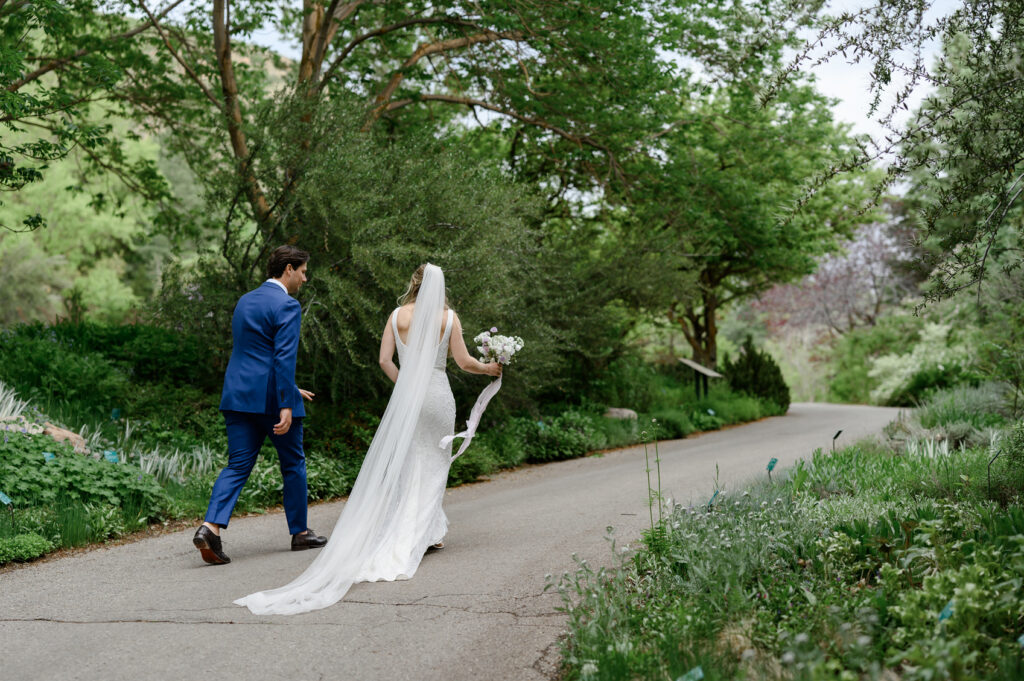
445, 608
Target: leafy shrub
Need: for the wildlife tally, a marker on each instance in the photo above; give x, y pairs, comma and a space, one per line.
42, 368
489, 452
737, 408
706, 419
22, 547
173, 417
933, 363
569, 435
980, 406
618, 432
146, 353
755, 373
1013, 452
853, 354
31, 480
72, 523
672, 424
627, 382
329, 478
86, 368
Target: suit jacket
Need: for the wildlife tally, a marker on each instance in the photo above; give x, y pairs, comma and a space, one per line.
260, 378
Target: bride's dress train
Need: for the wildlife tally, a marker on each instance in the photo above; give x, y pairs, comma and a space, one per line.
394, 512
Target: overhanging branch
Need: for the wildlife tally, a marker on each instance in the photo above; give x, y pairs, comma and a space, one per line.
58, 62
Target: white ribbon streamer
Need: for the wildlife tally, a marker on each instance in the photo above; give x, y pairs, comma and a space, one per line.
474, 418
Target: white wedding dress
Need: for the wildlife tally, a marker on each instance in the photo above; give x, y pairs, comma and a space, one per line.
394, 512
421, 520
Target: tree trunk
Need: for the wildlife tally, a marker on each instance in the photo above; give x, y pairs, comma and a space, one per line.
233, 111
701, 328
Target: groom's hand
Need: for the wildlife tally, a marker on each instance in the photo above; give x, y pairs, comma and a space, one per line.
285, 424
307, 395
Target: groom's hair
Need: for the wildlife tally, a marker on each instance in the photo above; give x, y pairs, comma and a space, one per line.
284, 256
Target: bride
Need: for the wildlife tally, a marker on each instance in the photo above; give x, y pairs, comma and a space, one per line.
393, 514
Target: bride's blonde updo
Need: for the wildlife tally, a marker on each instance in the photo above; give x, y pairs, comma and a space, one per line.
414, 288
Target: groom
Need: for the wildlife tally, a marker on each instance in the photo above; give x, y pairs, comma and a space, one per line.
260, 400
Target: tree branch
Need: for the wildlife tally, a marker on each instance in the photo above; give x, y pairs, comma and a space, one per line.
170, 48
233, 111
581, 140
318, 30
58, 62
382, 31
426, 49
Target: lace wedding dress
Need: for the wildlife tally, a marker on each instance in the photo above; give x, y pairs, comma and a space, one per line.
394, 511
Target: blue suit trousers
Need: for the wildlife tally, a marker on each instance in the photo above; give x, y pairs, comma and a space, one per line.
246, 435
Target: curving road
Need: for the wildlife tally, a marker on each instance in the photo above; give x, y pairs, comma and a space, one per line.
477, 610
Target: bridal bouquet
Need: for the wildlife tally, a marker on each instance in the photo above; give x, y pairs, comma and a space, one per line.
493, 348
496, 348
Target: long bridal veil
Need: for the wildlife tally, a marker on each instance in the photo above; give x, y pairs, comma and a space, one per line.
370, 517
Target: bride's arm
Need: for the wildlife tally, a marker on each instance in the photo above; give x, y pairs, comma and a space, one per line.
462, 357
387, 352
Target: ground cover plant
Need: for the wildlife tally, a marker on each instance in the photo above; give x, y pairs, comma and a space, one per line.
869, 562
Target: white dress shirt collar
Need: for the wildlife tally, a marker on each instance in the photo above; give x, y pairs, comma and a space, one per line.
278, 282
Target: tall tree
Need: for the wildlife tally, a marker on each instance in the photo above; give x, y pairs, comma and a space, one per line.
715, 196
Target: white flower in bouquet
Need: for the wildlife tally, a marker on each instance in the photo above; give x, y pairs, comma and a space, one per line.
496, 348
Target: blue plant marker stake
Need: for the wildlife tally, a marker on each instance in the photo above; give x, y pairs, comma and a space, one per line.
771, 464
115, 414
695, 674
1021, 640
49, 456
711, 501
111, 456
947, 612
6, 501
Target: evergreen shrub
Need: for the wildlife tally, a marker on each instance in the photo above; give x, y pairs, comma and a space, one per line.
755, 373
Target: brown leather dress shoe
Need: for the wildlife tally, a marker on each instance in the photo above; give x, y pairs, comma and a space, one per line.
307, 540
210, 546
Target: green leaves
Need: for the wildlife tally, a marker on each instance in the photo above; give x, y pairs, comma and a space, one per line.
22, 547
72, 477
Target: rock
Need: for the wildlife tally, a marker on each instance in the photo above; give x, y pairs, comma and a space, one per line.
61, 435
620, 413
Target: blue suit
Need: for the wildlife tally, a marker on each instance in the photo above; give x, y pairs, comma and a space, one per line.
258, 384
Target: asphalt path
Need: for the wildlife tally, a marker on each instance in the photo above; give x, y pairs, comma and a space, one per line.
476, 610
